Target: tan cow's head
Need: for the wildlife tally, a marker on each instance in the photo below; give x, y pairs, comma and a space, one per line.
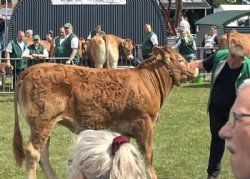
126, 49
176, 64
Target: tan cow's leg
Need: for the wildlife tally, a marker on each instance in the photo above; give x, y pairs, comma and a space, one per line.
143, 131
45, 164
32, 156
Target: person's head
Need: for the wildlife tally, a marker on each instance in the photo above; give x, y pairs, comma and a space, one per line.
147, 28
68, 28
98, 28
50, 36
29, 33
62, 32
1, 16
237, 132
236, 56
36, 40
105, 154
20, 36
213, 30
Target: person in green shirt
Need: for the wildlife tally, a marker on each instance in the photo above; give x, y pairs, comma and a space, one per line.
14, 49
229, 69
58, 46
96, 31
35, 53
150, 40
71, 45
186, 45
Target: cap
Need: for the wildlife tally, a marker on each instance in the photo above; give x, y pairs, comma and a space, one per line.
51, 32
68, 25
36, 37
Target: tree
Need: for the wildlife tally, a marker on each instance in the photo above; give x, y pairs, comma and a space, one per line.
166, 12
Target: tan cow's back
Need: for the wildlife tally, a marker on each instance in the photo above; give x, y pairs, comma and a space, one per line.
105, 50
235, 38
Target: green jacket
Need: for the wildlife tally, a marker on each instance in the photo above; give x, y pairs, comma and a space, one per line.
68, 50
17, 53
59, 50
220, 61
94, 33
147, 46
33, 50
186, 48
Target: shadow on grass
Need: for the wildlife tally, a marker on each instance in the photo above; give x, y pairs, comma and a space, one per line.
192, 85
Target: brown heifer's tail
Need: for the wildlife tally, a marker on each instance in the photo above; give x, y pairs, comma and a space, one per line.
17, 145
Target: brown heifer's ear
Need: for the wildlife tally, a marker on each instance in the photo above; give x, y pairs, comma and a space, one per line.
159, 53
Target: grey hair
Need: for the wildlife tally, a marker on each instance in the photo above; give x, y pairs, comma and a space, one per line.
91, 155
246, 83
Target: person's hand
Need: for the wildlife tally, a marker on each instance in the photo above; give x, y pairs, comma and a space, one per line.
35, 55
68, 61
9, 65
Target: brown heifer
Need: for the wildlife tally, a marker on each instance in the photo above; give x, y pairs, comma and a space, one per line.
127, 101
107, 49
235, 38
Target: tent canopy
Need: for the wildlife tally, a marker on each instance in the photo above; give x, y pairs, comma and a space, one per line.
222, 18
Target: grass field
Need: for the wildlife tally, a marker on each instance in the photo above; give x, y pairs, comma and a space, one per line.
181, 139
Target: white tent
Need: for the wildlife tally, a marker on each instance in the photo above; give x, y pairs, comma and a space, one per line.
227, 7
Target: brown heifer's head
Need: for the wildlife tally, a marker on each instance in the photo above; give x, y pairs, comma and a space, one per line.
126, 49
178, 67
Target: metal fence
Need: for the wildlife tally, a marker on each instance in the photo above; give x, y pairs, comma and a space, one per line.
8, 76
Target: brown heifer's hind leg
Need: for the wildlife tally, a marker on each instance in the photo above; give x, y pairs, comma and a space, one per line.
45, 164
143, 133
38, 139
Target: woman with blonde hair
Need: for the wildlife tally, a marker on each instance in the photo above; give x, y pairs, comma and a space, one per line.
186, 45
99, 154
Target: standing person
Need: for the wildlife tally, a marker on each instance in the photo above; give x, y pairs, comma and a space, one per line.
105, 154
71, 45
237, 133
14, 49
96, 31
184, 24
229, 69
186, 45
59, 45
150, 41
210, 40
29, 33
35, 53
50, 36
2, 29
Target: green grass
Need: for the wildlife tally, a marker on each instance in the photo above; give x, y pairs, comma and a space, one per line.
181, 138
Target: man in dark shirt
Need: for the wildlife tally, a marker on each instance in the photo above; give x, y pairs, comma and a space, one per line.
229, 69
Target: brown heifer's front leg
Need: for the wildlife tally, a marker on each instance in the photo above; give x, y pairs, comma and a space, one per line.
143, 133
45, 164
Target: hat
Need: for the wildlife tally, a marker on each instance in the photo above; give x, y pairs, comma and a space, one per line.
68, 25
51, 32
36, 37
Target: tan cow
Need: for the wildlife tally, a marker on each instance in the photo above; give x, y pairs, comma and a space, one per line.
235, 38
127, 101
108, 48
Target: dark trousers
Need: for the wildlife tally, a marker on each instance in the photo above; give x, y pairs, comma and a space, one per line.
218, 118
